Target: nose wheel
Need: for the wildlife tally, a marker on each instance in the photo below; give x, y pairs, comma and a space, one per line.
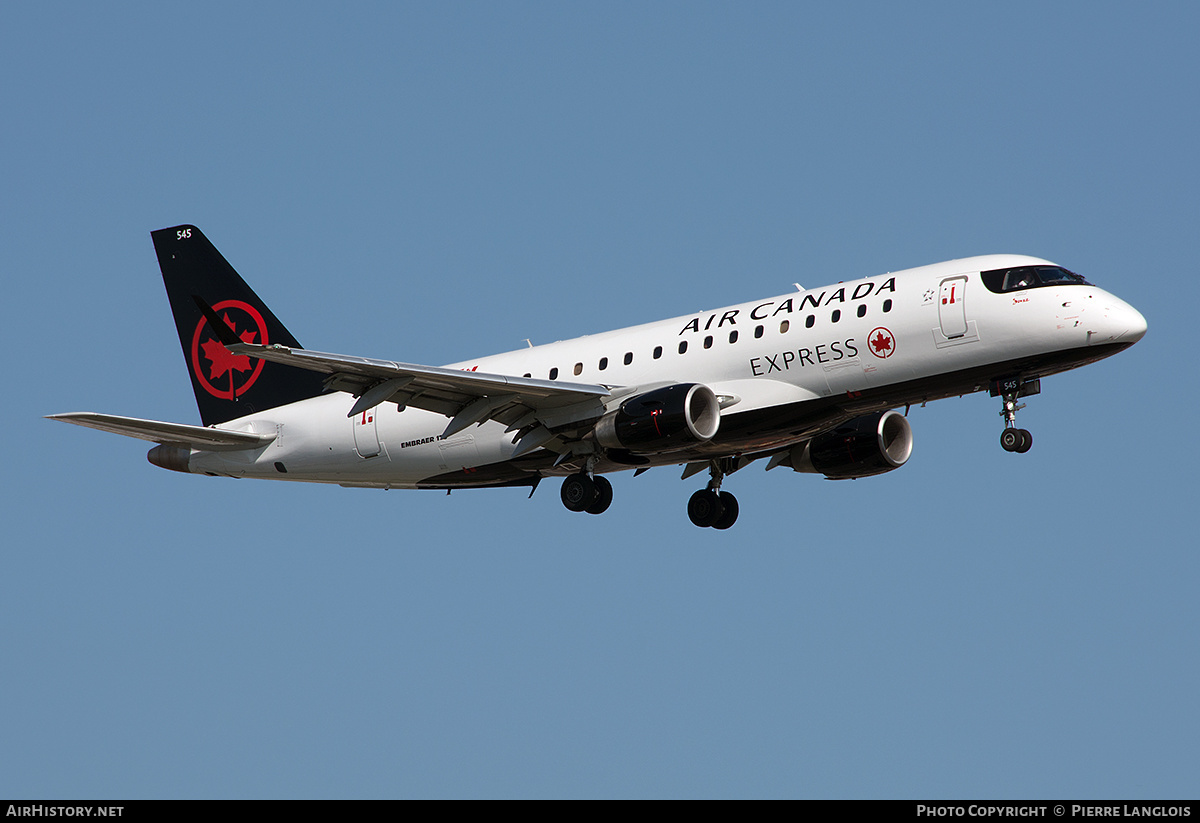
710, 507
1016, 440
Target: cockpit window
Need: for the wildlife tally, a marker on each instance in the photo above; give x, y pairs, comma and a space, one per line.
1029, 277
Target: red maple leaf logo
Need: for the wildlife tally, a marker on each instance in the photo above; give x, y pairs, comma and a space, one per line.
222, 359
881, 343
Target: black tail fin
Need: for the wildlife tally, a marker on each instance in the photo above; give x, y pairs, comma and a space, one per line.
226, 385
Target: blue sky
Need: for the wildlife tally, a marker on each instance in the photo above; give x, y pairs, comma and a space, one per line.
436, 182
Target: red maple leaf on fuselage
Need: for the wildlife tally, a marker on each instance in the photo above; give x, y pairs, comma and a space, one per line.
222, 359
881, 343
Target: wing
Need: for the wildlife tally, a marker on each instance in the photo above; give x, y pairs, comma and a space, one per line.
466, 397
538, 410
168, 434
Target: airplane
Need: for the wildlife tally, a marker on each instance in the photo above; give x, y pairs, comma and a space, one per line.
810, 380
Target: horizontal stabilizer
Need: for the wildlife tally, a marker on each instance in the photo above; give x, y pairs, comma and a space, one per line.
168, 434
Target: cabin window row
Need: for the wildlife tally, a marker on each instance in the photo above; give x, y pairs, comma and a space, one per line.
784, 325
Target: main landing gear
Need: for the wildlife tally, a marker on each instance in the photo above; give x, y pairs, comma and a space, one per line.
711, 507
587, 493
1013, 439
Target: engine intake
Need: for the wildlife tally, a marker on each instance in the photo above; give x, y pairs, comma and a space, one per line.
865, 446
663, 420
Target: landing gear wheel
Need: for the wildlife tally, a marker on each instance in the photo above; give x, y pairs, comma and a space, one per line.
705, 508
1016, 440
604, 496
578, 492
1010, 440
729, 516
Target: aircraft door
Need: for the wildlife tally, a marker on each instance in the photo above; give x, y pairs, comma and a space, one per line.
952, 310
366, 437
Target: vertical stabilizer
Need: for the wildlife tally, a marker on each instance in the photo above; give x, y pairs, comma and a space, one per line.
226, 385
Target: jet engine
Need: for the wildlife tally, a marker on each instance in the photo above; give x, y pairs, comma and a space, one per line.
867, 445
663, 420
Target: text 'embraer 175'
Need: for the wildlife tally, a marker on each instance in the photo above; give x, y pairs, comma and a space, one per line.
809, 381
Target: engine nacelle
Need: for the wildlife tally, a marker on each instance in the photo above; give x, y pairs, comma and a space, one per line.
663, 420
867, 445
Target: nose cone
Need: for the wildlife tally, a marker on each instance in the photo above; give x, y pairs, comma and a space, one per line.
1137, 325
1115, 322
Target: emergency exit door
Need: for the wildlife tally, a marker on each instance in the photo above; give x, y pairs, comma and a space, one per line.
366, 438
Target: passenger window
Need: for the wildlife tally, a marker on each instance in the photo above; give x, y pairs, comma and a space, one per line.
527, 374
657, 352
808, 321
887, 305
733, 336
578, 369
862, 310
836, 316
784, 326
682, 346
628, 357
758, 331
603, 363
708, 342
554, 373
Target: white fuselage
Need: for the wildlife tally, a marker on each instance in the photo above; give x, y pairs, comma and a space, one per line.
843, 349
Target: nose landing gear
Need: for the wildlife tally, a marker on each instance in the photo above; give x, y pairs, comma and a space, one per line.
1008, 390
710, 507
